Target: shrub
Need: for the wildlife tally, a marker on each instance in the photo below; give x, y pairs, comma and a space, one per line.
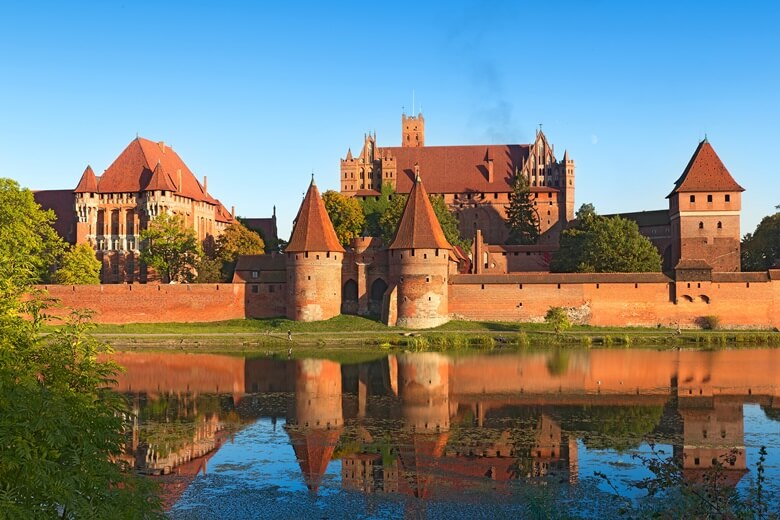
558, 319
710, 322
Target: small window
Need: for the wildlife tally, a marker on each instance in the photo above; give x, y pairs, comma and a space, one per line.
701, 225
271, 289
709, 198
720, 225
255, 274
255, 289
693, 198
728, 198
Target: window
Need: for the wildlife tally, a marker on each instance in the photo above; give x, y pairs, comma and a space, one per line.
693, 199
701, 225
255, 289
255, 274
709, 198
728, 198
720, 225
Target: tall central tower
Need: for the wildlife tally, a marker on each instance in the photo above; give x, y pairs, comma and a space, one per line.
412, 131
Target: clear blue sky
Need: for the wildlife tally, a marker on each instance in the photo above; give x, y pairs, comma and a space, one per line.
257, 96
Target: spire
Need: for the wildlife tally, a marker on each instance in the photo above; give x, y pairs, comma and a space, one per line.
314, 450
705, 172
349, 154
160, 180
88, 182
313, 230
565, 156
419, 228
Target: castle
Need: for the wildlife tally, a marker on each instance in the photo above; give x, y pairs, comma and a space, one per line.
475, 180
109, 211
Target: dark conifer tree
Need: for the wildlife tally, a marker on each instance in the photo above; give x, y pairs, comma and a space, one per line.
522, 217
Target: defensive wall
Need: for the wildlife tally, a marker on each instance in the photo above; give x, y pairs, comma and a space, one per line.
739, 300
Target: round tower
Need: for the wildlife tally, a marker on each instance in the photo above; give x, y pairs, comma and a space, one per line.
419, 264
424, 388
314, 259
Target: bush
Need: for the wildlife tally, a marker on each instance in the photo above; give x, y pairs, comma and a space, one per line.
558, 319
710, 322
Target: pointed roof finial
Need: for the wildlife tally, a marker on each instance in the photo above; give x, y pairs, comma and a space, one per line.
705, 137
312, 176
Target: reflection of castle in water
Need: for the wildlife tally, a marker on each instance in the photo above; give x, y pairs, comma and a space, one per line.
454, 421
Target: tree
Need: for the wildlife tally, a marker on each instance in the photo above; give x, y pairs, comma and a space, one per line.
521, 215
558, 319
29, 246
238, 240
346, 214
761, 248
78, 266
374, 208
605, 245
448, 222
170, 248
388, 221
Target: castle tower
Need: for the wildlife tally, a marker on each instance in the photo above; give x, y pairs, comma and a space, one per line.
568, 186
419, 262
314, 258
412, 131
704, 209
86, 202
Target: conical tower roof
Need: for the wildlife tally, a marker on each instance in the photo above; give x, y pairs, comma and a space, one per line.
705, 172
88, 182
314, 450
160, 180
419, 228
313, 229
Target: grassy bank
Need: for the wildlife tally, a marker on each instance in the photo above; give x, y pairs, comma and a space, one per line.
353, 333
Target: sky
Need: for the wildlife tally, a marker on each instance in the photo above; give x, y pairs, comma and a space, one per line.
258, 96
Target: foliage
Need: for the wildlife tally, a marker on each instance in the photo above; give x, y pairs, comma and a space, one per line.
710, 322
558, 362
78, 266
388, 222
170, 247
210, 270
521, 215
558, 319
449, 223
761, 248
346, 214
605, 245
374, 208
238, 240
29, 246
61, 431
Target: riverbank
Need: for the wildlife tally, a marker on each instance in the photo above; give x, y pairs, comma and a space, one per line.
355, 333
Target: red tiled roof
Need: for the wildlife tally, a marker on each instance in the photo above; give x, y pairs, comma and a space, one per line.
266, 226
705, 172
221, 214
314, 449
132, 170
419, 228
88, 182
313, 229
160, 180
458, 169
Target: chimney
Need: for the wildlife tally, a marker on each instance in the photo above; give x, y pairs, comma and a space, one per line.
416, 170
179, 173
161, 144
205, 184
490, 169
233, 212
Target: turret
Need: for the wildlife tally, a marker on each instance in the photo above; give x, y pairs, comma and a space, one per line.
568, 186
413, 131
704, 210
419, 263
314, 259
86, 207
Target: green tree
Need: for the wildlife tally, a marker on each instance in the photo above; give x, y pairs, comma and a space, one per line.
605, 245
374, 208
29, 246
761, 248
346, 214
558, 319
78, 266
210, 270
238, 240
522, 219
388, 221
449, 222
170, 248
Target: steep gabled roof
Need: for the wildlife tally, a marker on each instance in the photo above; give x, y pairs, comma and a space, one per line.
419, 228
88, 182
132, 170
458, 169
314, 449
313, 229
705, 172
160, 180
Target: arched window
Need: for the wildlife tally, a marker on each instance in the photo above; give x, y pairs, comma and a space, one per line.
701, 225
350, 291
720, 225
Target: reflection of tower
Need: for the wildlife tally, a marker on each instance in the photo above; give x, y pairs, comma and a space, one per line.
553, 453
713, 434
423, 387
316, 421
